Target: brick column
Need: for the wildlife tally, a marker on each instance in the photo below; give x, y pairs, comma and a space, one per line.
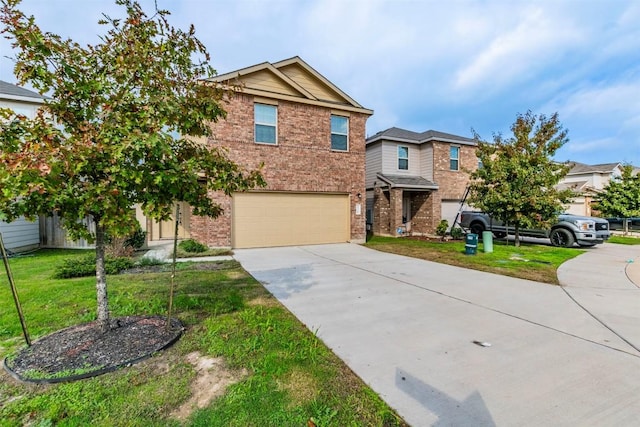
427, 212
395, 211
380, 212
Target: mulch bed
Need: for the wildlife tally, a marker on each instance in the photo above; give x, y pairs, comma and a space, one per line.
84, 351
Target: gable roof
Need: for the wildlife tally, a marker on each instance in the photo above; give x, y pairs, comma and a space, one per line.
581, 168
17, 93
407, 181
403, 135
292, 80
578, 186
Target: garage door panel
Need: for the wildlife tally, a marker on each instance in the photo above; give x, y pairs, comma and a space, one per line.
283, 219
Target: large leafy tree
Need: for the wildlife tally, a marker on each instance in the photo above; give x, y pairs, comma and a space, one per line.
119, 128
517, 180
621, 196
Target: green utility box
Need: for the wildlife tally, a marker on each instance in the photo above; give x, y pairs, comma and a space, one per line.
471, 244
487, 241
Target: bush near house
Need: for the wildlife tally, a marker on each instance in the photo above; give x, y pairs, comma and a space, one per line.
191, 245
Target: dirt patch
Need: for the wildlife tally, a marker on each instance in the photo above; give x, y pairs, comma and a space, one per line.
300, 385
264, 301
212, 379
84, 351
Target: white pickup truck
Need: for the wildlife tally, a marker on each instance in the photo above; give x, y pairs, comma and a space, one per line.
568, 230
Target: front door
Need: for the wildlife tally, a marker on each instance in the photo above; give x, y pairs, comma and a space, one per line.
166, 229
406, 208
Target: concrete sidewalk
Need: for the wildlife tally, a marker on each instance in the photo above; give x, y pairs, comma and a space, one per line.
407, 327
605, 281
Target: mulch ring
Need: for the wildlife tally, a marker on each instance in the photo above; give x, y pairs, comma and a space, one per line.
84, 351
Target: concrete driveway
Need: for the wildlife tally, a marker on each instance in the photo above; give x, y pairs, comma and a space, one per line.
558, 356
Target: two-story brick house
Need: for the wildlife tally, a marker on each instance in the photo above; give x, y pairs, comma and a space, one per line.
414, 180
310, 137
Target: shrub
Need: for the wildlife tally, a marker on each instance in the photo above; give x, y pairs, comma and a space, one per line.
126, 245
456, 233
145, 262
86, 266
137, 239
192, 246
441, 229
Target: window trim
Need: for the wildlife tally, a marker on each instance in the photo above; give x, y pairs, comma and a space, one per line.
456, 159
256, 123
338, 133
403, 158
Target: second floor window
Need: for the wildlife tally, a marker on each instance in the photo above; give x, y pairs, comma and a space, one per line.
266, 119
339, 133
454, 159
403, 158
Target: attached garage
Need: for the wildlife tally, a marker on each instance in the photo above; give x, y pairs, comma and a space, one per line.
265, 219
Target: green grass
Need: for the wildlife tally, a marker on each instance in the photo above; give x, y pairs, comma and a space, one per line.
291, 376
529, 261
209, 252
624, 240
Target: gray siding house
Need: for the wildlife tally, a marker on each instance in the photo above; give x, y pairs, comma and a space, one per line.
20, 234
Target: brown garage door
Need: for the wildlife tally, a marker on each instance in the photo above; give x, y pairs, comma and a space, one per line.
287, 219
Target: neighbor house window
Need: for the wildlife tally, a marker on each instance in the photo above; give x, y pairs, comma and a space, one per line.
454, 158
266, 119
339, 133
403, 158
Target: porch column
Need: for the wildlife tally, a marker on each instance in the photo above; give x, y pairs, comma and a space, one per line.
380, 212
427, 212
395, 214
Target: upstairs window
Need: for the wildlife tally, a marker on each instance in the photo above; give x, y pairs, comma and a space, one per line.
266, 119
454, 158
339, 133
403, 158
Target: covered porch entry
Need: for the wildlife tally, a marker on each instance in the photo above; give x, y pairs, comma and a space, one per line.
405, 205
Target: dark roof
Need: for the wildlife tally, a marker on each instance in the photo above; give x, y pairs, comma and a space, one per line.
408, 181
577, 168
17, 91
403, 135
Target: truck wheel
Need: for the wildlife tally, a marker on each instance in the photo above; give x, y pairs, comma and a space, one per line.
562, 237
477, 228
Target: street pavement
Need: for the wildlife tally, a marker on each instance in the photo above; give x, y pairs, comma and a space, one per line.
447, 346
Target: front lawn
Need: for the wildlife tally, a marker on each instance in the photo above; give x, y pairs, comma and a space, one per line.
529, 261
280, 373
624, 240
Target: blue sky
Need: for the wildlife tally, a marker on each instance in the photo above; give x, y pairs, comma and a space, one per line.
450, 66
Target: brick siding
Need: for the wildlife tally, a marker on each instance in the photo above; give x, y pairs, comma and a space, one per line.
453, 183
426, 207
302, 161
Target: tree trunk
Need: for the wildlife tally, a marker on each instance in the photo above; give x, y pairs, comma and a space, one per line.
101, 280
517, 237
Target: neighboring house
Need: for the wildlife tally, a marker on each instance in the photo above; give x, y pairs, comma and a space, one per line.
310, 136
414, 180
20, 234
587, 181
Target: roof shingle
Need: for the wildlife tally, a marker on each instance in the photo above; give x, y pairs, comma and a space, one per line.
13, 90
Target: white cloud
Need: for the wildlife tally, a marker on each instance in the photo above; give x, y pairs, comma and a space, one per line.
529, 46
619, 102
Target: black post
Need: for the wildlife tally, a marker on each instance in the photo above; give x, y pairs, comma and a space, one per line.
173, 268
14, 292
